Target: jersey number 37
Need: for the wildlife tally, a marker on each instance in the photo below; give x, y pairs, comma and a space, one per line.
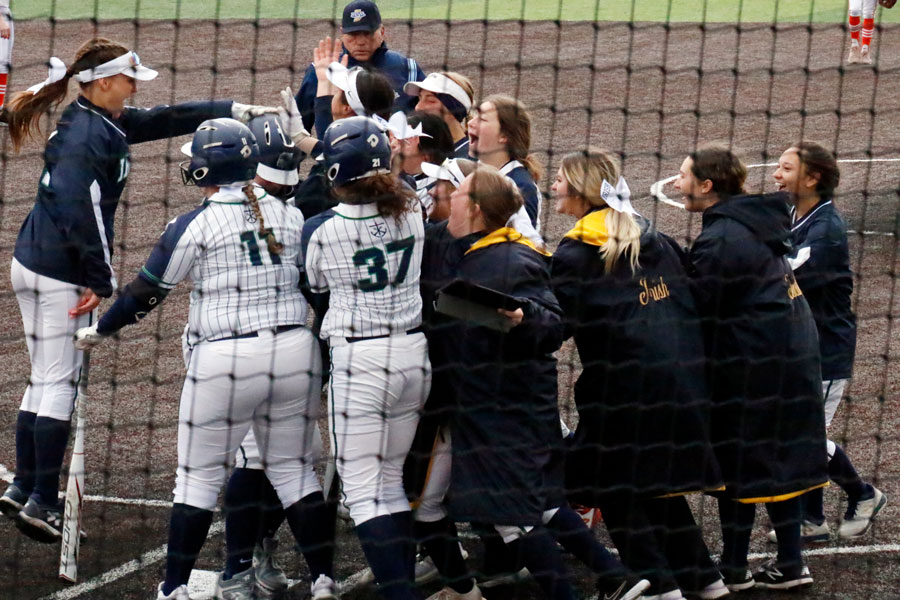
374, 260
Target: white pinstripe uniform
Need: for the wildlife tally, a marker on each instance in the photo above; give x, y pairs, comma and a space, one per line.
237, 380
371, 266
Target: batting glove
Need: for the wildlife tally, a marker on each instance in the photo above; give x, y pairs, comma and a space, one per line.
87, 337
245, 112
293, 123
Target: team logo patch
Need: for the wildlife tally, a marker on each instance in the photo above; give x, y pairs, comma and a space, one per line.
358, 15
372, 140
378, 229
248, 215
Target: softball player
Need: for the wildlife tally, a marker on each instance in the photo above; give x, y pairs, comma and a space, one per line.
62, 263
642, 441
821, 263
251, 362
433, 144
500, 136
861, 18
7, 37
768, 426
447, 95
364, 257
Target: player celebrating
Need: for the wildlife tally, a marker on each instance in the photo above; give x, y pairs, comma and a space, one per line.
642, 440
363, 259
62, 263
447, 95
251, 362
821, 263
768, 425
500, 136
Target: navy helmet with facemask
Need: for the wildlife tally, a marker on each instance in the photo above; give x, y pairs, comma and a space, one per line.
223, 152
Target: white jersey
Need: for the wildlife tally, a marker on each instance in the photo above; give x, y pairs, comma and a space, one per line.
370, 265
239, 286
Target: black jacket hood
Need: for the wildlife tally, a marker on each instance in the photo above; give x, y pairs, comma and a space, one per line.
766, 215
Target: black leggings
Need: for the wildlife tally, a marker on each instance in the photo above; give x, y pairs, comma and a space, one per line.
737, 524
659, 540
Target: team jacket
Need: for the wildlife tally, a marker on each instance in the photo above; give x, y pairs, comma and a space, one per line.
504, 421
768, 423
642, 399
68, 235
397, 68
528, 188
821, 263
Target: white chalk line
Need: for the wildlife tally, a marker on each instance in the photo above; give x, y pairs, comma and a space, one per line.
657, 187
7, 476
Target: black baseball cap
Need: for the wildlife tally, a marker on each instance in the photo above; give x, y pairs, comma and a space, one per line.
360, 15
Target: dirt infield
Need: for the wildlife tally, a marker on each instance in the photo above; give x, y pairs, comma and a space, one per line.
648, 91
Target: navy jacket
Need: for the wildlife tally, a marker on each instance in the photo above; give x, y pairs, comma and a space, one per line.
504, 422
397, 68
531, 195
821, 263
768, 421
68, 235
642, 399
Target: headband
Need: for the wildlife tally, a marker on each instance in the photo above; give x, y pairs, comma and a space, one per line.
447, 171
345, 80
127, 64
617, 198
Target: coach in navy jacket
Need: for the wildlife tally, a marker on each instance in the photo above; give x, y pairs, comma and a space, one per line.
362, 34
69, 234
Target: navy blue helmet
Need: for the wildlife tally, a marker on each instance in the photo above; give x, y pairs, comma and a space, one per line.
355, 148
223, 151
278, 156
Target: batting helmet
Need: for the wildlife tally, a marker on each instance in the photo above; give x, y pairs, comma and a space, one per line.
355, 148
278, 156
223, 151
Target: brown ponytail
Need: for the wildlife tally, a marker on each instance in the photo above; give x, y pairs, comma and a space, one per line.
515, 126
24, 110
275, 247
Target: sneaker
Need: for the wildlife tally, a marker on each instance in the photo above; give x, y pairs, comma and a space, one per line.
865, 57
12, 501
324, 588
498, 579
860, 514
448, 593
179, 593
810, 533
40, 523
737, 580
716, 589
628, 587
770, 576
239, 587
670, 595
270, 579
426, 572
853, 59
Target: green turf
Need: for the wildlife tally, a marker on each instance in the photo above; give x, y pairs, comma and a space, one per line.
820, 11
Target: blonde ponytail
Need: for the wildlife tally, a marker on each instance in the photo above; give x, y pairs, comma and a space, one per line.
585, 173
275, 247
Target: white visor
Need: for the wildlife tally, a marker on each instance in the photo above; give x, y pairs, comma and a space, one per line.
128, 64
448, 171
439, 84
345, 80
186, 149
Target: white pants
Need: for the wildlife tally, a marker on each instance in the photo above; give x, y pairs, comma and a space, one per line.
376, 392
269, 383
833, 391
49, 335
865, 8
431, 507
6, 45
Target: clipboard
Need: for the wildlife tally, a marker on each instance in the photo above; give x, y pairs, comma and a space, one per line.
476, 304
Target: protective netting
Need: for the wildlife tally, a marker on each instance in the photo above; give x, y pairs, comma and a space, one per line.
648, 81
